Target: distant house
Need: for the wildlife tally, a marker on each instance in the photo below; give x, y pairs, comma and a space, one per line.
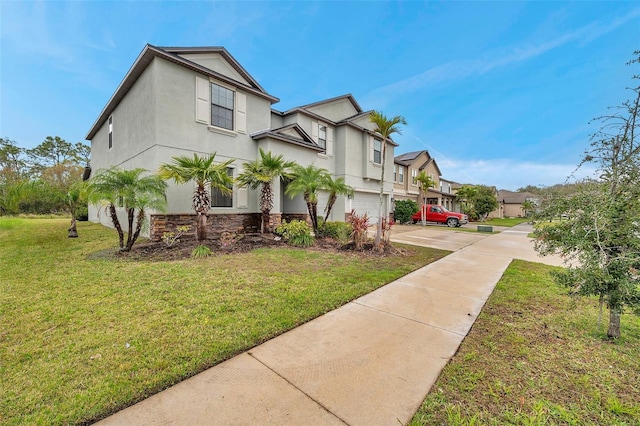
406, 169
511, 204
179, 101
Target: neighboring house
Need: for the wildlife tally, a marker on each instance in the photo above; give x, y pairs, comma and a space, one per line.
511, 203
180, 101
406, 169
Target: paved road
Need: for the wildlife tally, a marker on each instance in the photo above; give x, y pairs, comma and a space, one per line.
370, 362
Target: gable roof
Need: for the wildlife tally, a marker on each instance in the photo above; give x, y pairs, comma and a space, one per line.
347, 96
291, 133
172, 54
306, 109
408, 158
510, 197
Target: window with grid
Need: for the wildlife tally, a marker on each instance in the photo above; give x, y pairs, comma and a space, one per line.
221, 107
377, 151
401, 175
414, 177
218, 199
322, 136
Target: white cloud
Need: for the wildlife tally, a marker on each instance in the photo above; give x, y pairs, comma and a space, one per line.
510, 174
457, 70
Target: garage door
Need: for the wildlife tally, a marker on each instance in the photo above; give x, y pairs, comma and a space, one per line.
364, 202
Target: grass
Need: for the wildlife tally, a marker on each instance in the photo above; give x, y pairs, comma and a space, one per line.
507, 221
535, 356
84, 333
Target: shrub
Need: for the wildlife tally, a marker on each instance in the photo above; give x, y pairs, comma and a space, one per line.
340, 231
404, 210
201, 251
359, 225
228, 238
296, 233
82, 213
171, 238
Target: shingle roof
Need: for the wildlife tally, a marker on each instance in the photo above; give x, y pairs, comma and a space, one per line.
279, 134
510, 197
172, 54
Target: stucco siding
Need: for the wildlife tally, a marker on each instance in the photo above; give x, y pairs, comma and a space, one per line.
335, 111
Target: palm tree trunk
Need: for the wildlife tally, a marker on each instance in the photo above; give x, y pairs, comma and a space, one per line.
73, 230
379, 228
201, 227
116, 224
266, 204
332, 200
130, 216
139, 221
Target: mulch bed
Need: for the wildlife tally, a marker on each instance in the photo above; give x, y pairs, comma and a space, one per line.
158, 250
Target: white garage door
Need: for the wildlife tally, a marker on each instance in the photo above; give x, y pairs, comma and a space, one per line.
364, 202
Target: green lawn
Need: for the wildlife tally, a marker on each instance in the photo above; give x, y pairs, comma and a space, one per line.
535, 356
507, 221
84, 334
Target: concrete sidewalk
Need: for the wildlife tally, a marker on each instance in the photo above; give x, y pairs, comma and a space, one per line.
370, 362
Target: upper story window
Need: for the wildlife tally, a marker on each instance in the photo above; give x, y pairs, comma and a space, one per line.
218, 199
322, 136
395, 173
110, 132
221, 107
414, 177
377, 151
400, 174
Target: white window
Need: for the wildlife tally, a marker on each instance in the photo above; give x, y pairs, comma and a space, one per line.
401, 175
322, 136
395, 173
218, 199
377, 151
414, 177
221, 107
110, 132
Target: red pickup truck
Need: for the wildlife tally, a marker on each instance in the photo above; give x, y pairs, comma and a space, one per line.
439, 214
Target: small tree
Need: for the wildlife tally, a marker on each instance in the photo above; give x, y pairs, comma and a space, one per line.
404, 210
385, 127
599, 239
425, 182
308, 181
465, 195
76, 196
132, 191
204, 171
261, 173
484, 201
529, 207
335, 187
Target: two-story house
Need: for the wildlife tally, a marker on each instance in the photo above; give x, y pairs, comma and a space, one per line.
180, 101
406, 169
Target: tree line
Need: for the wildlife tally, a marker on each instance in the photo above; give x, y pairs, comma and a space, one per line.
38, 180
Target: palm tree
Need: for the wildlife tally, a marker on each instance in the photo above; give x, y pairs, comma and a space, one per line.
203, 171
335, 187
131, 190
426, 182
262, 172
465, 195
385, 127
308, 181
76, 195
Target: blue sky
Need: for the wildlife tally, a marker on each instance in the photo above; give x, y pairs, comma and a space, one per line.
500, 93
